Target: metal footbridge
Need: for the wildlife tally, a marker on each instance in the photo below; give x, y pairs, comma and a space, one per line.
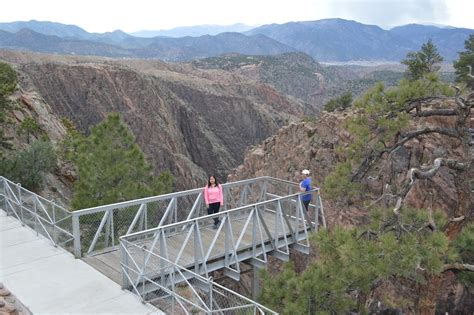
165, 249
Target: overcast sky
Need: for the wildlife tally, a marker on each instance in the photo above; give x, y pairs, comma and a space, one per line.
130, 16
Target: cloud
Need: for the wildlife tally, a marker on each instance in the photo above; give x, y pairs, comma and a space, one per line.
388, 13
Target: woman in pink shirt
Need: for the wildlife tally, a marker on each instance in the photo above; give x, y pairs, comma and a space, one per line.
213, 197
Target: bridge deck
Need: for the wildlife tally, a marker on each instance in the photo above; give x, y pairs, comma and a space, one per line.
49, 280
109, 262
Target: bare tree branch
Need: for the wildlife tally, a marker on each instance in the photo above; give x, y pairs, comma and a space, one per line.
418, 173
450, 132
459, 267
463, 103
458, 219
436, 112
418, 102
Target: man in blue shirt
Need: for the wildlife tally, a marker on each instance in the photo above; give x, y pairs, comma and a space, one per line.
305, 185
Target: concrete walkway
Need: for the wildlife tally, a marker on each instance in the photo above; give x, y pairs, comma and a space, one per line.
49, 280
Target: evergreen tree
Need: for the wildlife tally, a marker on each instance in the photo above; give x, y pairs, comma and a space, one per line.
422, 62
112, 168
465, 65
351, 261
381, 115
27, 166
339, 103
28, 127
8, 81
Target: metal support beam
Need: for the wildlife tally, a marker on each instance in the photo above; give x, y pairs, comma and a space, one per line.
256, 289
76, 232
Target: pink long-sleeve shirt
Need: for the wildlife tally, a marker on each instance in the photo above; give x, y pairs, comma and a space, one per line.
213, 195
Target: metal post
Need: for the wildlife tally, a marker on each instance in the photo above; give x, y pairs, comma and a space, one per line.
175, 212
145, 217
225, 192
210, 294
112, 228
18, 185
255, 283
5, 195
125, 281
107, 227
36, 217
76, 233
55, 235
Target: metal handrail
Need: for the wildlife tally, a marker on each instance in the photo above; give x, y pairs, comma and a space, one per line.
221, 213
176, 276
136, 212
144, 274
125, 204
32, 210
291, 227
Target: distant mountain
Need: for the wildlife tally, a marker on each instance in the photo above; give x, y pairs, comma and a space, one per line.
330, 40
47, 28
195, 31
188, 48
449, 40
343, 40
29, 40
337, 39
121, 45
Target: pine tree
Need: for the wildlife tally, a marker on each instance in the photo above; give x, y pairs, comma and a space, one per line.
423, 62
339, 103
352, 261
112, 168
28, 127
27, 166
465, 65
8, 81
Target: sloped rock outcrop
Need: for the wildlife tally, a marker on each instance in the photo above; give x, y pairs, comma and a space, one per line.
187, 121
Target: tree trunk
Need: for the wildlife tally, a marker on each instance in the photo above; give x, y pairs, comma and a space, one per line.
426, 304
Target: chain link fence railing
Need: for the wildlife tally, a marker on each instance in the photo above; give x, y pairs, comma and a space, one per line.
181, 291
96, 230
246, 232
43, 216
170, 265
99, 228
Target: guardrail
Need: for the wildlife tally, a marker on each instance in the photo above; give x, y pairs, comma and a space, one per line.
246, 233
156, 218
185, 292
42, 215
98, 229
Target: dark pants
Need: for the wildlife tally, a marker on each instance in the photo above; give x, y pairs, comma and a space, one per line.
306, 204
214, 208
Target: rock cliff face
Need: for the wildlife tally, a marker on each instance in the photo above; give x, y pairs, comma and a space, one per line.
190, 122
312, 145
305, 145
295, 74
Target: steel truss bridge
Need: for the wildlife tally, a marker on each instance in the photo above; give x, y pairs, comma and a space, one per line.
165, 249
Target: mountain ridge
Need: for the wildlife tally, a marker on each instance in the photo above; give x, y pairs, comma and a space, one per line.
196, 30
324, 40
